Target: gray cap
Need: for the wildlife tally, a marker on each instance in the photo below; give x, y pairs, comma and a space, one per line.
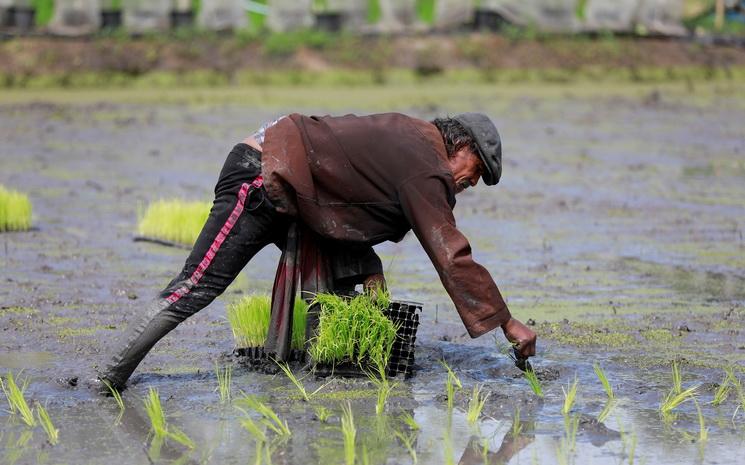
487, 139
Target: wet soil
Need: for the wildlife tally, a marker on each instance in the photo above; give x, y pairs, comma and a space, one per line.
617, 229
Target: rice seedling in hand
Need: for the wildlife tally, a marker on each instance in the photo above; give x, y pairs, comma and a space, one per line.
570, 395
476, 404
46, 424
408, 441
224, 379
270, 419
174, 220
533, 382
15, 210
353, 330
349, 433
298, 384
16, 399
603, 380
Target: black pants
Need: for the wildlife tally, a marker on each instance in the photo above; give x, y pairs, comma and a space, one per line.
241, 222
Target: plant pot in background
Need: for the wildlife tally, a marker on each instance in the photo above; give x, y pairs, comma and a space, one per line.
182, 19
23, 18
329, 22
487, 20
111, 19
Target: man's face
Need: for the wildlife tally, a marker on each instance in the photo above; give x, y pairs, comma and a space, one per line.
467, 168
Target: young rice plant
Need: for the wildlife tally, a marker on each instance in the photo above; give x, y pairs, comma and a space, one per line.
15, 210
46, 424
384, 388
349, 433
353, 330
270, 419
249, 320
224, 379
722, 392
158, 424
603, 380
570, 395
298, 384
533, 382
174, 220
476, 404
451, 384
16, 400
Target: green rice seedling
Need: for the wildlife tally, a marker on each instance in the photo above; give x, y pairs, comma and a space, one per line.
349, 433
270, 419
46, 424
603, 415
117, 398
533, 382
409, 420
451, 384
224, 379
298, 384
722, 392
16, 399
383, 387
570, 395
673, 400
476, 404
740, 396
353, 330
628, 444
517, 425
677, 378
174, 220
15, 210
180, 437
254, 429
568, 444
154, 411
322, 413
603, 380
249, 320
703, 431
408, 442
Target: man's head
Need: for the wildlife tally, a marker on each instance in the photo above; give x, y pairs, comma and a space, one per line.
474, 149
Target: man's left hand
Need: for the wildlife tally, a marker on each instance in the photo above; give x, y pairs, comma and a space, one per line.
375, 282
522, 337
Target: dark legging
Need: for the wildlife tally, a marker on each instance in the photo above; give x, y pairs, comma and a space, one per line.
241, 222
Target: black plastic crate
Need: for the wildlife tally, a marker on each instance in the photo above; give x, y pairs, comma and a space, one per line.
403, 314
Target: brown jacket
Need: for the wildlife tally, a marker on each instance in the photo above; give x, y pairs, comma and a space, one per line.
373, 178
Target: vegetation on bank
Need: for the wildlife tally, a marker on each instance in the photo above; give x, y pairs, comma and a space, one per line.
15, 210
174, 220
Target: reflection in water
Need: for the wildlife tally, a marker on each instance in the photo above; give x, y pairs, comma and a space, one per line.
477, 451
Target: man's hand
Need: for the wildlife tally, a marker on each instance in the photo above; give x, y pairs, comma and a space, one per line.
522, 337
375, 282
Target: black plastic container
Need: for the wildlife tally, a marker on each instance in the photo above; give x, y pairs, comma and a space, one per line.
329, 22
258, 356
23, 18
488, 20
403, 314
182, 19
111, 19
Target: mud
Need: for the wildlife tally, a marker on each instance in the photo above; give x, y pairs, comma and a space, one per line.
617, 227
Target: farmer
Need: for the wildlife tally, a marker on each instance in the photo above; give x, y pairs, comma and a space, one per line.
353, 182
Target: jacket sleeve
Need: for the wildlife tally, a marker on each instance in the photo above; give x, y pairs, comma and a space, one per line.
470, 286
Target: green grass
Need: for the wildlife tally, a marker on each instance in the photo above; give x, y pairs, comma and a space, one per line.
476, 404
533, 382
270, 419
15, 210
46, 424
604, 380
349, 433
249, 320
174, 220
353, 330
570, 396
224, 379
426, 11
16, 399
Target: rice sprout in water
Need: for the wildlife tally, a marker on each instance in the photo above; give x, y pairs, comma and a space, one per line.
46, 424
349, 433
476, 404
603, 380
224, 379
451, 384
16, 399
533, 382
158, 424
298, 384
270, 419
570, 395
15, 210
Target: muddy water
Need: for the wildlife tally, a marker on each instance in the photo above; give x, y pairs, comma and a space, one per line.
617, 228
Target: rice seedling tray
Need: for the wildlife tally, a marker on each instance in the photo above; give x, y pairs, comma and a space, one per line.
259, 356
405, 315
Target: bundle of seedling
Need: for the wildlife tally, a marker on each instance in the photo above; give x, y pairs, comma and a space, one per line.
355, 336
173, 222
15, 210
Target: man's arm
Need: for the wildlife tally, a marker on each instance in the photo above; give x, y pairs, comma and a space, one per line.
474, 293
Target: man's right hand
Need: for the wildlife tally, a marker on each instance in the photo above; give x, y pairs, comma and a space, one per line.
521, 337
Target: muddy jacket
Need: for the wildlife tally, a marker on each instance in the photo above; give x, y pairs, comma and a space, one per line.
369, 179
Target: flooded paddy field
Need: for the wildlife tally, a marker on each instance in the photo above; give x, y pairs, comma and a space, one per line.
617, 230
